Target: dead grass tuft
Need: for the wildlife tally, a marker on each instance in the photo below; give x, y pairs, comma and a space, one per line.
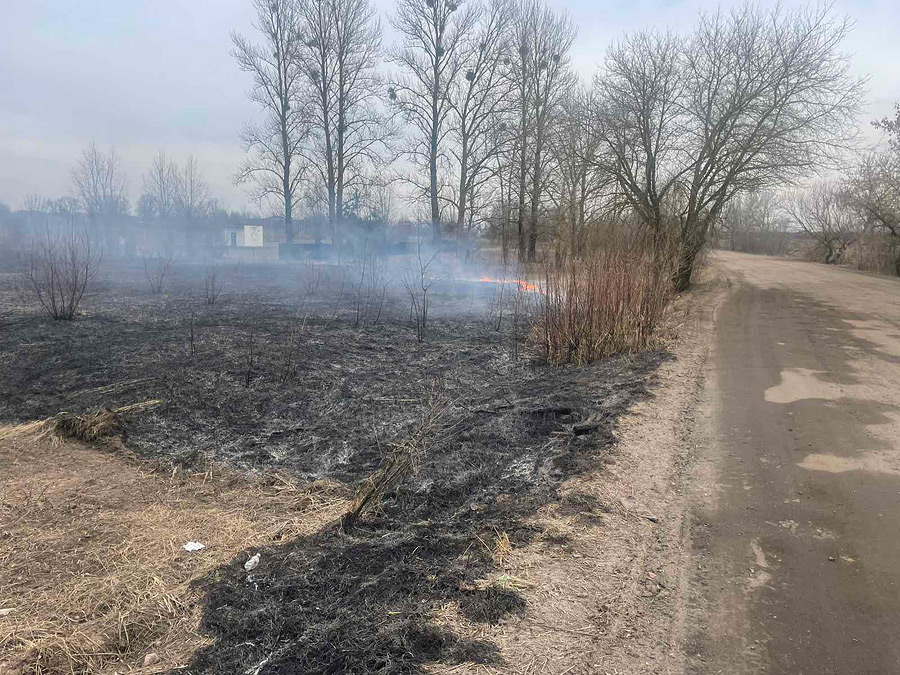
101, 426
92, 568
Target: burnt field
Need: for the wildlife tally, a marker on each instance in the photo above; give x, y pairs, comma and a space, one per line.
312, 371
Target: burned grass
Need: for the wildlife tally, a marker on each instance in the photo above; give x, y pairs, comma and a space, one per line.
408, 581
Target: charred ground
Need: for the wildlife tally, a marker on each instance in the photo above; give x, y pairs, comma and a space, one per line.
328, 388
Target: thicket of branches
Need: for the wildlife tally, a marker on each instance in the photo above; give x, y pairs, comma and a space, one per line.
481, 116
851, 218
478, 121
58, 269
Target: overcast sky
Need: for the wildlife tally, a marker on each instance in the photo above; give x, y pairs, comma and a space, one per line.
144, 75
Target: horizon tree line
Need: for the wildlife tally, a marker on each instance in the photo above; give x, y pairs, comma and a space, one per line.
477, 118
478, 112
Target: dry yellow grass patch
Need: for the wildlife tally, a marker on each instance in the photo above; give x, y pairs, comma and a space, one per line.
92, 572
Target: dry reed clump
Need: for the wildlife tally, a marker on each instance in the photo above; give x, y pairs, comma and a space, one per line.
402, 460
610, 301
101, 426
92, 572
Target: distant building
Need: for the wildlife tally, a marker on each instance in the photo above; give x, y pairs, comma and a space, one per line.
253, 239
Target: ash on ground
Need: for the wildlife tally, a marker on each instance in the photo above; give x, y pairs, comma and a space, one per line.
310, 372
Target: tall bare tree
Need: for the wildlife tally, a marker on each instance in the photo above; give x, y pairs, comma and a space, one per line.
193, 194
542, 40
273, 166
100, 183
162, 186
479, 99
753, 99
339, 58
579, 184
873, 190
822, 212
433, 33
637, 97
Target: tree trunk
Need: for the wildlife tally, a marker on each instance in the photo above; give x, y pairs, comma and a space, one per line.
288, 205
286, 179
433, 154
536, 190
682, 278
520, 216
533, 216
463, 184
693, 240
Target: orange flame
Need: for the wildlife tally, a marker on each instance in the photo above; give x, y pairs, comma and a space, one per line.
524, 285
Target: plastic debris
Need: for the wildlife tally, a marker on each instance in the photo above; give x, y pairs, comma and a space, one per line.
192, 546
252, 564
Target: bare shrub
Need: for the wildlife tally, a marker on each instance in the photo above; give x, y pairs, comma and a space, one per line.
418, 281
156, 269
369, 285
58, 270
875, 251
607, 302
212, 288
823, 214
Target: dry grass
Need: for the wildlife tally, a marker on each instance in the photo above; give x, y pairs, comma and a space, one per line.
607, 302
92, 569
99, 427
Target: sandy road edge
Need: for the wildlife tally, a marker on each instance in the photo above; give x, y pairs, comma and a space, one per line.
662, 444
615, 598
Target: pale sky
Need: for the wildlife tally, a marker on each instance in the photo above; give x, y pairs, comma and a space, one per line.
145, 75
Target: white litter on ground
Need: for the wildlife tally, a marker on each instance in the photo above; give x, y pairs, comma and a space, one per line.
252, 564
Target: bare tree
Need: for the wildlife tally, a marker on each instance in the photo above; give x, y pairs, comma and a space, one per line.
193, 195
549, 38
36, 203
339, 59
58, 270
753, 99
273, 166
67, 208
162, 187
212, 287
433, 34
578, 183
822, 212
755, 222
418, 282
873, 190
892, 128
100, 183
156, 269
542, 42
479, 99
637, 96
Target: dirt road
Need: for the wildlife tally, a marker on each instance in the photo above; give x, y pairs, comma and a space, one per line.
796, 526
